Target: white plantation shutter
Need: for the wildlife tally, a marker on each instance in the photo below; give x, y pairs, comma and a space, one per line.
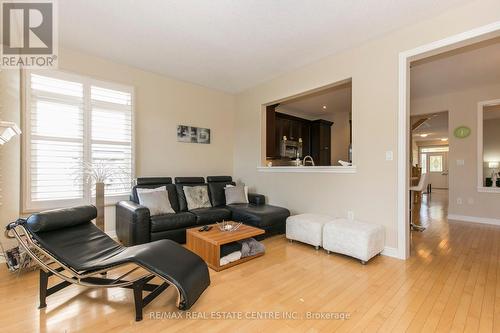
112, 135
71, 120
56, 139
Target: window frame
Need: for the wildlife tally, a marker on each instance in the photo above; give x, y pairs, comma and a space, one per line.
29, 206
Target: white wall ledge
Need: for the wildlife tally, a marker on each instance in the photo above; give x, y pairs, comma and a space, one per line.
308, 169
488, 189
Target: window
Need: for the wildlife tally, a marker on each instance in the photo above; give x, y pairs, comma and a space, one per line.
436, 163
440, 149
72, 122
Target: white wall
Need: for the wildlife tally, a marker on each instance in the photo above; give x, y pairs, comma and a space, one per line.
462, 108
373, 67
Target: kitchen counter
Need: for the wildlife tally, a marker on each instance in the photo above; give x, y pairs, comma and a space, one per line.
309, 169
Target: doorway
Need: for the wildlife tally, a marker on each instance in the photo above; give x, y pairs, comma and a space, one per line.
451, 43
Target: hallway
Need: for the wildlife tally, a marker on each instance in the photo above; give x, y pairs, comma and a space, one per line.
466, 292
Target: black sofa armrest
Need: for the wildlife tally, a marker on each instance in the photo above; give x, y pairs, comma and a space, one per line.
133, 223
256, 199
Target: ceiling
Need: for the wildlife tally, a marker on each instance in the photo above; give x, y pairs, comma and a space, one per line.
465, 68
321, 103
231, 45
435, 128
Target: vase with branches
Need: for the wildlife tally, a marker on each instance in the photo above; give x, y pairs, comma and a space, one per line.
100, 173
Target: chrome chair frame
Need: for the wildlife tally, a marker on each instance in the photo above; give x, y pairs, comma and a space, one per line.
51, 266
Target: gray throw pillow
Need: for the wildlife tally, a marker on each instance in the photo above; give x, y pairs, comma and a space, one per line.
157, 202
196, 197
235, 195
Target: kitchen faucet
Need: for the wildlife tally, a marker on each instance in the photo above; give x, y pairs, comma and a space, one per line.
308, 157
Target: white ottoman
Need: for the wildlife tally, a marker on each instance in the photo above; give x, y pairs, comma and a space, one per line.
306, 228
356, 239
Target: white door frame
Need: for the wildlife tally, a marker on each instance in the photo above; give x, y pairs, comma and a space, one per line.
440, 46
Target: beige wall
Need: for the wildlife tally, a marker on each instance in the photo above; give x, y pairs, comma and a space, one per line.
340, 137
161, 104
372, 192
462, 108
10, 153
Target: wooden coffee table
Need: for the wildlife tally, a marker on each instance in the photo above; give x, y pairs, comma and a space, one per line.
207, 244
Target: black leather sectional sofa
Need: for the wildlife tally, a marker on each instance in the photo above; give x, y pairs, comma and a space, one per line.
134, 225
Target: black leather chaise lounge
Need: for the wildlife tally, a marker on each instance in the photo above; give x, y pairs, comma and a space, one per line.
66, 244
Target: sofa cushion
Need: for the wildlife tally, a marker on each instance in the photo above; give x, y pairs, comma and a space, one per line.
211, 215
197, 197
172, 221
235, 194
172, 193
156, 200
180, 182
259, 216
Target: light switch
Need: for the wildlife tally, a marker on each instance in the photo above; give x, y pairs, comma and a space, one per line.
389, 155
460, 162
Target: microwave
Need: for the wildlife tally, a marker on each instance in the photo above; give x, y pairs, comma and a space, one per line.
290, 148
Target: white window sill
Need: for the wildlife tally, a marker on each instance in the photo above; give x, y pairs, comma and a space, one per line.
308, 169
488, 189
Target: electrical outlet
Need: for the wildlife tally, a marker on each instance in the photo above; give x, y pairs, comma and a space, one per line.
460, 201
350, 215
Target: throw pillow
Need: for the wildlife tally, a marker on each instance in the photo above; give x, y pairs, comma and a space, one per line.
156, 200
246, 191
196, 197
235, 195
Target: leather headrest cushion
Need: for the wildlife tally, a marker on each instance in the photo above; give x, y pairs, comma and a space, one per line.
61, 218
189, 180
154, 180
219, 179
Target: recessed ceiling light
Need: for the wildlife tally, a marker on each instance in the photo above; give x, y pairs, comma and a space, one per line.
324, 107
423, 135
444, 139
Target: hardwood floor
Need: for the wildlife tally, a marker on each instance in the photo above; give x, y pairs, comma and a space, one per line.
451, 283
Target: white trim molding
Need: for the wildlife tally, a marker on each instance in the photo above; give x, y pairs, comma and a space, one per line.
405, 57
480, 146
483, 189
309, 169
391, 252
473, 219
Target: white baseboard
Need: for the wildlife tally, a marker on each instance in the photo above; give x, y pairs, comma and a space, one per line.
473, 219
391, 252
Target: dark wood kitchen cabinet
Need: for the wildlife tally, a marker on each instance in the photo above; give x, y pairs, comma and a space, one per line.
315, 135
321, 141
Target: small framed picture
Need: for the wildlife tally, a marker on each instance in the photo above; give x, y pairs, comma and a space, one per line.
191, 134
